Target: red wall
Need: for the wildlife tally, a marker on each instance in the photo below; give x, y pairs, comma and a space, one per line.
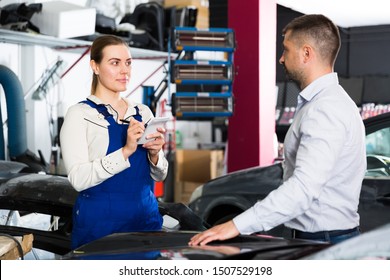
251, 128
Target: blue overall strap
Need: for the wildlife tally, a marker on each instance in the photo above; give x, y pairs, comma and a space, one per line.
101, 108
137, 115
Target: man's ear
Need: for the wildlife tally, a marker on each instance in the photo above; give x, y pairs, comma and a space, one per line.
307, 52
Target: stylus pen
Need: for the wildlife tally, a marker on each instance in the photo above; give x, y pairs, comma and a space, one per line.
126, 121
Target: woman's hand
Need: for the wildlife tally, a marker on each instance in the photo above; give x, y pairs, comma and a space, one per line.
154, 146
134, 132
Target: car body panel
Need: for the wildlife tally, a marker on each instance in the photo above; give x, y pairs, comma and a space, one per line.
228, 190
41, 193
174, 245
373, 245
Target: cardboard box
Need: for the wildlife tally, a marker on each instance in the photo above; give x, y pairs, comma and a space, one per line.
184, 190
9, 250
64, 20
198, 165
193, 168
184, 3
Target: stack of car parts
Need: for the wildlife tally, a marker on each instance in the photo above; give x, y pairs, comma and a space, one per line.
203, 87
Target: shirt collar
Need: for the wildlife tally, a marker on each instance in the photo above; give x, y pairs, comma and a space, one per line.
309, 92
95, 99
130, 111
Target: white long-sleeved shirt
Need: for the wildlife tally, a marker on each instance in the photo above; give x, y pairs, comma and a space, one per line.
84, 142
325, 162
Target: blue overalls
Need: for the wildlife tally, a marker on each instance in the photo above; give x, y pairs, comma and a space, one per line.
123, 203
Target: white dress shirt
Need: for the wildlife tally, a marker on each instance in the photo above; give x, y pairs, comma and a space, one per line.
325, 162
84, 142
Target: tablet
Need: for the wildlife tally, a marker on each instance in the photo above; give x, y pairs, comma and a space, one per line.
152, 128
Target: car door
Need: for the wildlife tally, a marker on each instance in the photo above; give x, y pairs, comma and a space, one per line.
374, 206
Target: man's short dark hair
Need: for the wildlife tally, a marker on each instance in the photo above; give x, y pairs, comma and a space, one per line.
318, 29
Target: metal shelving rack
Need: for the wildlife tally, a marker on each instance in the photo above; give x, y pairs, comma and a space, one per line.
203, 87
31, 39
74, 45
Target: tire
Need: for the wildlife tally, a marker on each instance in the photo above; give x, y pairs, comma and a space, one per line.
225, 218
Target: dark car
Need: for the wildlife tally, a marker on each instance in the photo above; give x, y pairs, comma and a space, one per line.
374, 244
49, 196
227, 196
25, 194
26, 198
53, 196
173, 245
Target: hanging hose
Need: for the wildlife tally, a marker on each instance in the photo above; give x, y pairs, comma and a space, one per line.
17, 129
17, 139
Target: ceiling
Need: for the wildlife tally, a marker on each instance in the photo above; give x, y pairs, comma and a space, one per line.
344, 13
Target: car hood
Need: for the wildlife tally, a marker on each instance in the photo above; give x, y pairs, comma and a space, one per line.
174, 245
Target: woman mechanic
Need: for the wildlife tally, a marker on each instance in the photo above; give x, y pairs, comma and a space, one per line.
112, 173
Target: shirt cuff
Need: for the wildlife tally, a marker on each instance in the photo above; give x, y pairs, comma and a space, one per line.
114, 162
159, 162
246, 222
160, 170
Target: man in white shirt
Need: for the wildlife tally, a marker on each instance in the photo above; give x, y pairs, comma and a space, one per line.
325, 157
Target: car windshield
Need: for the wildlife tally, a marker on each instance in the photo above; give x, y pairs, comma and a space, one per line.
379, 142
378, 153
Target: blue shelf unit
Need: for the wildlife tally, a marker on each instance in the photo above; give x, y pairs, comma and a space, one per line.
203, 87
208, 39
